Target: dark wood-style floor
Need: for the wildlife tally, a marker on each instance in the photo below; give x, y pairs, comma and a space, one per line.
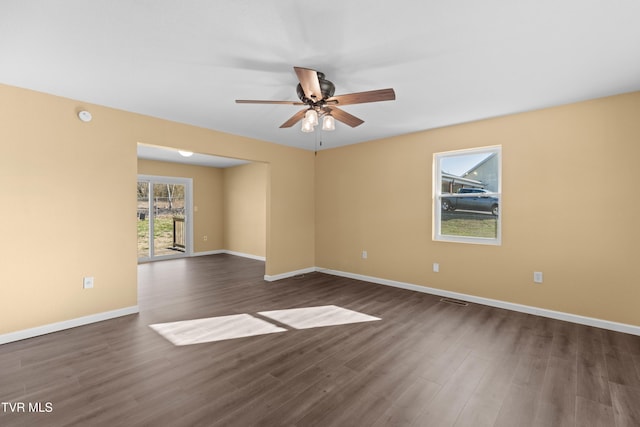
426, 363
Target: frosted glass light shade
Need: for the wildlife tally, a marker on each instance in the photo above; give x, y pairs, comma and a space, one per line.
328, 123
307, 126
311, 116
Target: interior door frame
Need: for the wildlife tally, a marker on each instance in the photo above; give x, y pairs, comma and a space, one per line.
188, 214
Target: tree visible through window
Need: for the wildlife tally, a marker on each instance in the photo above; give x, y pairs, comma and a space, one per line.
467, 196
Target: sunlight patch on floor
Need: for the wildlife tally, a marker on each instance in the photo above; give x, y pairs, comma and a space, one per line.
198, 331
211, 329
315, 317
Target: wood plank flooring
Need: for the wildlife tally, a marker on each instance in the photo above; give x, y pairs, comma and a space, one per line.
426, 363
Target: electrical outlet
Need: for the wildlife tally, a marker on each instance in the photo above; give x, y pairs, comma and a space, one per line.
537, 276
205, 238
364, 255
87, 283
436, 267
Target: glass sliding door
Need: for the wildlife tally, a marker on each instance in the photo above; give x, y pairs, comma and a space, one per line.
163, 217
168, 210
143, 220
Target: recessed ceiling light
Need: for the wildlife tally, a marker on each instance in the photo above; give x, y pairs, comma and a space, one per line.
185, 153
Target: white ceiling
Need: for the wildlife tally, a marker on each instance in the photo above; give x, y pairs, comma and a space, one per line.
164, 154
448, 61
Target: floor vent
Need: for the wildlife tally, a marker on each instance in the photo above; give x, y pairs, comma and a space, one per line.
454, 302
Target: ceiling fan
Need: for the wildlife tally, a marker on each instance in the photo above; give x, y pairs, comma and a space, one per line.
316, 93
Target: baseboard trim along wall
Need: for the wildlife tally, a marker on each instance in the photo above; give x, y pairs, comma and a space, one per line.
250, 256
574, 318
289, 274
205, 253
66, 324
224, 251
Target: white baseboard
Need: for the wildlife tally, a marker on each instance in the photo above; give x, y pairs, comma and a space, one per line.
205, 253
289, 274
66, 324
574, 318
256, 257
224, 251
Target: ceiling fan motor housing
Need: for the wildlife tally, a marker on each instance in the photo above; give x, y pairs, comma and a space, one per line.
326, 87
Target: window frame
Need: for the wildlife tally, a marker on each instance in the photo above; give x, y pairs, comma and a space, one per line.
437, 197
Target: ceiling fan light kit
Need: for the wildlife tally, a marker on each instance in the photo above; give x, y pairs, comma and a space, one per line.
328, 123
316, 93
307, 126
311, 116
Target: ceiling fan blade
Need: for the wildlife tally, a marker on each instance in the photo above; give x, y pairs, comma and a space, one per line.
257, 101
362, 97
344, 117
294, 119
309, 82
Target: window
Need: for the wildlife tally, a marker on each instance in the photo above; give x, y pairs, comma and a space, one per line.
467, 196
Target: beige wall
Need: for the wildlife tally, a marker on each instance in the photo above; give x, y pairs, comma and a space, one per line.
244, 205
207, 199
69, 207
569, 210
69, 204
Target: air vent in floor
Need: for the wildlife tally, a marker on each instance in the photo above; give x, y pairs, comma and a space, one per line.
454, 302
